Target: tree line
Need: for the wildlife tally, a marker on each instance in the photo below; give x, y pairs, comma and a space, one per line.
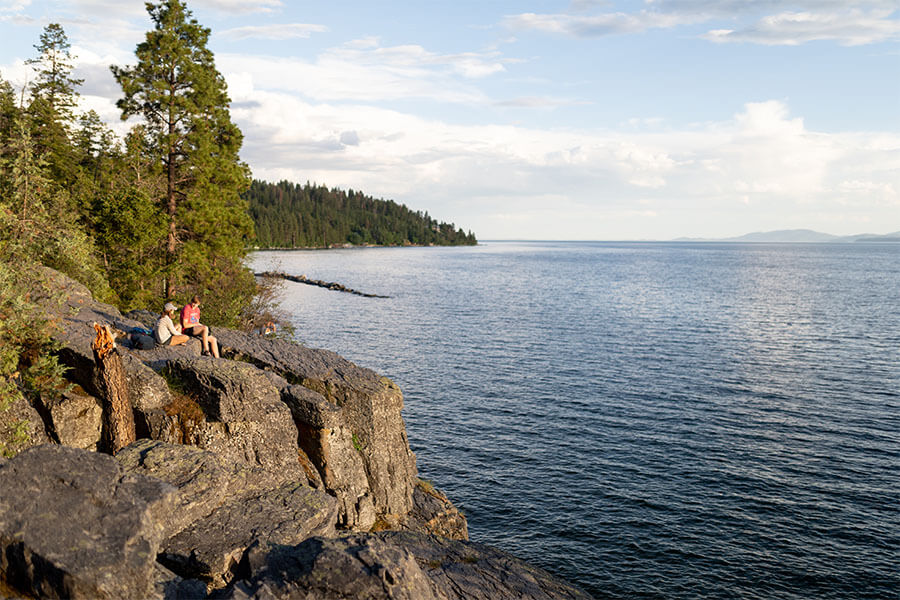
162, 213
289, 215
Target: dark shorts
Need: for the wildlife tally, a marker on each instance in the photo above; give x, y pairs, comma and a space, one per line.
196, 331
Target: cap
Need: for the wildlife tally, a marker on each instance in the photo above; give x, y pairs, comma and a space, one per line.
169, 306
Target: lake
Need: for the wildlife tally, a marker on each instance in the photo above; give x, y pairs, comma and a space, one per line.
646, 420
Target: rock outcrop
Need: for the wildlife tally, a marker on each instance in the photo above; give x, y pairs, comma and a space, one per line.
395, 566
74, 524
223, 506
433, 512
352, 411
253, 473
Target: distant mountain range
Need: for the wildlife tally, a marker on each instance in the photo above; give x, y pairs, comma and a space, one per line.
800, 235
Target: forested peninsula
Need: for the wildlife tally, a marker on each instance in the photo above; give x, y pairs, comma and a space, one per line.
288, 215
152, 470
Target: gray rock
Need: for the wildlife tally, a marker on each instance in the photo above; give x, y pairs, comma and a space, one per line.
75, 418
394, 565
147, 318
369, 405
205, 480
160, 356
211, 548
245, 419
222, 507
470, 571
335, 452
169, 586
358, 566
434, 514
73, 524
21, 427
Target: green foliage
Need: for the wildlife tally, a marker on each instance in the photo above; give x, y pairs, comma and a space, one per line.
53, 69
288, 215
28, 367
182, 97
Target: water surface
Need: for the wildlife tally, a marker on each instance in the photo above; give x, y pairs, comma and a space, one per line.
645, 420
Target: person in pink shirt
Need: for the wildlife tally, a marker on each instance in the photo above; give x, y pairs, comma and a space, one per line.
191, 325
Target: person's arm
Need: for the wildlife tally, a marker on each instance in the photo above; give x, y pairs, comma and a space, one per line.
171, 327
184, 319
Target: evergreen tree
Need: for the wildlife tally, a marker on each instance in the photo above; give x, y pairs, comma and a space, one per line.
288, 215
53, 68
177, 89
54, 97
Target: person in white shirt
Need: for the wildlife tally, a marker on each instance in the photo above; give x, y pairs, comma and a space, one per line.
167, 333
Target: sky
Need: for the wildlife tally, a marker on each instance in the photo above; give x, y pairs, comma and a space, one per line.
564, 120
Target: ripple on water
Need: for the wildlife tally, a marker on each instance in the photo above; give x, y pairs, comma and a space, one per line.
646, 420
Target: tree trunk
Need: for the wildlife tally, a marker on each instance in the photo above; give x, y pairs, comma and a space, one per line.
118, 418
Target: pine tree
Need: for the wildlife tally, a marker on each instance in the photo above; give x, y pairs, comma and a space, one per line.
177, 89
54, 98
53, 68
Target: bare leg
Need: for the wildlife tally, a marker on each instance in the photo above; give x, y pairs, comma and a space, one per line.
214, 344
204, 333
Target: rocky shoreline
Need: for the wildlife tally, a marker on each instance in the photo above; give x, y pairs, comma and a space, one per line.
329, 285
278, 471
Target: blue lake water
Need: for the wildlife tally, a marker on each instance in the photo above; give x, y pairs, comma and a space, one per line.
646, 420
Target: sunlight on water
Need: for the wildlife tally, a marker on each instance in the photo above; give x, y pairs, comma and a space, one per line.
645, 420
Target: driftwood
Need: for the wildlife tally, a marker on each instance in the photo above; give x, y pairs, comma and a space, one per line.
118, 418
329, 285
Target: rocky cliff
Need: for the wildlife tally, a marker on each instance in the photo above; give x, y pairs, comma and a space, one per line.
277, 471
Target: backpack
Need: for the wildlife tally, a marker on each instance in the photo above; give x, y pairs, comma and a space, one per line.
142, 338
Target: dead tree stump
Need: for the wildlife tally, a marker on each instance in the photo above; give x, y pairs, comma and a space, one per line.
118, 418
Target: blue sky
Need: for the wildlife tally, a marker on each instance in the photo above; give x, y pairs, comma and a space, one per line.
579, 119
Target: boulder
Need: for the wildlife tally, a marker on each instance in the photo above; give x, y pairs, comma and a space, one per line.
21, 427
358, 566
434, 514
223, 506
205, 481
369, 405
470, 571
75, 418
393, 565
244, 418
211, 548
73, 524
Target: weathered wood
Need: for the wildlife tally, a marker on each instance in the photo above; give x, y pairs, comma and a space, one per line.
118, 418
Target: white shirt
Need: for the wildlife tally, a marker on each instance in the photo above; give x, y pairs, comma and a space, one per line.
165, 329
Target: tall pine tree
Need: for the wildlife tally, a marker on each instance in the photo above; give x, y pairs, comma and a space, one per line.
182, 97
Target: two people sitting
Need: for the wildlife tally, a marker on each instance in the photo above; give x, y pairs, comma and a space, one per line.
168, 333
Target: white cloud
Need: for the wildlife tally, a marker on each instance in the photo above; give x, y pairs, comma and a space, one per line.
280, 31
850, 28
796, 22
365, 69
599, 25
498, 179
240, 7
